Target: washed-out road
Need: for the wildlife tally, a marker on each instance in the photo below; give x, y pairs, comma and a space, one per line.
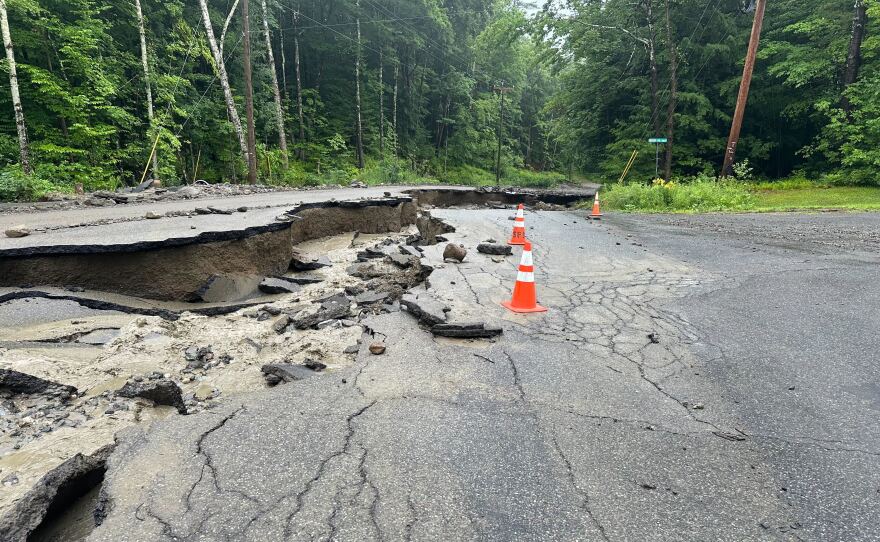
696, 378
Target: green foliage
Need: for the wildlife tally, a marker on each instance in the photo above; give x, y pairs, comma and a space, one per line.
16, 186
697, 195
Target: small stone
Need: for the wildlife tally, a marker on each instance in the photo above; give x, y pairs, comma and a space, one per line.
281, 323
454, 252
242, 209
316, 366
353, 349
18, 231
377, 348
152, 215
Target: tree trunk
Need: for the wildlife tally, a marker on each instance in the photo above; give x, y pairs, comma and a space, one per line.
673, 94
357, 75
220, 66
394, 109
279, 109
147, 81
16, 98
854, 58
249, 94
381, 105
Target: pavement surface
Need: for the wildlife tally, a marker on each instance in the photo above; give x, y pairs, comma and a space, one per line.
698, 378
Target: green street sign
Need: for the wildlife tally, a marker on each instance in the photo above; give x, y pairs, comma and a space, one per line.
658, 140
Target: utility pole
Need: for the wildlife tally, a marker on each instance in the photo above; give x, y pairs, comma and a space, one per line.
733, 140
249, 96
502, 90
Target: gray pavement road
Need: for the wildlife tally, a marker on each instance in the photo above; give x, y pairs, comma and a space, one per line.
708, 378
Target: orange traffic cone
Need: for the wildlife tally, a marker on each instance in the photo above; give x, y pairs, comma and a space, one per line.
597, 213
524, 295
519, 228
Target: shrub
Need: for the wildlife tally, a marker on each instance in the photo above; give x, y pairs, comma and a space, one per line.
701, 195
16, 186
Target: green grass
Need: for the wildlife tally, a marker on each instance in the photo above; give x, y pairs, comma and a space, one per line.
698, 196
844, 197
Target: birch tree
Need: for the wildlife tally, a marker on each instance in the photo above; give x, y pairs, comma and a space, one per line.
279, 110
299, 92
20, 125
220, 66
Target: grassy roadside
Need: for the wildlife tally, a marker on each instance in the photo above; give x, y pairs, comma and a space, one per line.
707, 195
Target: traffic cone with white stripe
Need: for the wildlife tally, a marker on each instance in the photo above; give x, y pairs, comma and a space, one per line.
597, 213
519, 228
524, 295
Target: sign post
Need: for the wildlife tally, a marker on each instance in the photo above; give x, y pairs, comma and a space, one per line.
657, 141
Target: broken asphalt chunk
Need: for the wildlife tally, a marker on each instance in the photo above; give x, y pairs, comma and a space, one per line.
494, 249
475, 330
425, 307
307, 262
17, 382
162, 392
272, 285
276, 373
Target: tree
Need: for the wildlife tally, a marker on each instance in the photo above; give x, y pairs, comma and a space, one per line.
220, 67
357, 82
276, 90
854, 57
20, 125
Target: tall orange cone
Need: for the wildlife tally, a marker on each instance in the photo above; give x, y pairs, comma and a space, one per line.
519, 228
524, 295
597, 213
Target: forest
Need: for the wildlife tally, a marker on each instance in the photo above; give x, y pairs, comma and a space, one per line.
105, 93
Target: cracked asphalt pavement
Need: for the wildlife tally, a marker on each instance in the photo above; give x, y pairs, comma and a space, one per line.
700, 378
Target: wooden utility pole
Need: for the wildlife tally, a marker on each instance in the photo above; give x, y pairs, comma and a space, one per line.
147, 82
502, 90
357, 76
742, 98
249, 95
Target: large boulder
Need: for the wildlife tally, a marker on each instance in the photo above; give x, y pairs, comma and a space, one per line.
454, 252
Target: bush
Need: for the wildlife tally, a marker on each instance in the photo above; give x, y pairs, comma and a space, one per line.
16, 186
699, 195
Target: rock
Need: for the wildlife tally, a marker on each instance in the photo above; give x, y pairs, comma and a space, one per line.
306, 262
285, 372
151, 215
156, 183
353, 349
494, 249
18, 231
281, 323
425, 307
143, 186
242, 209
454, 252
377, 348
161, 392
17, 382
331, 308
316, 366
410, 250
372, 298
403, 261
271, 285
654, 338
466, 330
202, 211
304, 280
198, 358
188, 192
370, 254
218, 211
